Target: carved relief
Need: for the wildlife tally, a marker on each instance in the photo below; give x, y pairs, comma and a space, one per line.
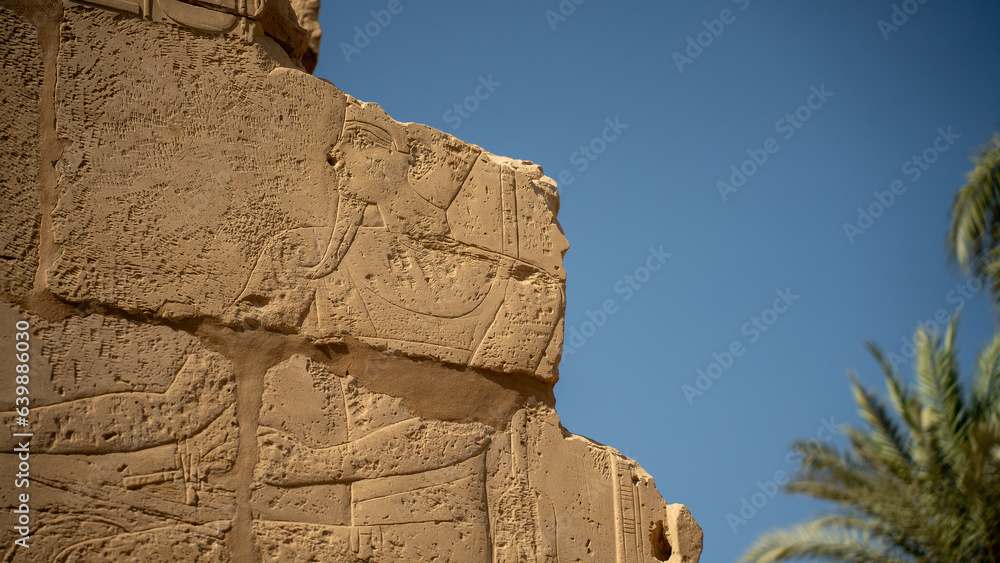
556, 497
239, 255
147, 466
142, 466
245, 18
422, 253
627, 516
393, 487
399, 235
20, 89
517, 536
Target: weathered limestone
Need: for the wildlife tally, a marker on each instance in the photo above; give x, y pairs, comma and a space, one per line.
270, 323
20, 93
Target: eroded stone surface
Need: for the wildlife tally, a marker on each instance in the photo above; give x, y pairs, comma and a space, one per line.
291, 24
270, 323
20, 92
270, 199
133, 447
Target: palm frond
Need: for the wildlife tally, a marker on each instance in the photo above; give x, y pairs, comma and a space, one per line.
921, 483
824, 462
943, 412
975, 213
986, 386
906, 406
889, 446
817, 539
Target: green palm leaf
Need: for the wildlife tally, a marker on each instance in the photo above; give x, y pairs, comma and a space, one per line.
975, 215
820, 539
921, 481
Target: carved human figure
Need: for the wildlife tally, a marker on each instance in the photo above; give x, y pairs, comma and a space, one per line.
392, 486
370, 163
431, 247
132, 421
141, 471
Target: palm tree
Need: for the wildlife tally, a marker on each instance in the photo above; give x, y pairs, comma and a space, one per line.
920, 483
974, 236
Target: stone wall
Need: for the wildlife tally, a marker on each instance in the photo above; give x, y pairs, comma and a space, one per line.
267, 322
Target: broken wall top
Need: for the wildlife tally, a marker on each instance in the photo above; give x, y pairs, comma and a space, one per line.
292, 24
267, 322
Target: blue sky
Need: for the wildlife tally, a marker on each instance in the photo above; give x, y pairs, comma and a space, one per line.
822, 108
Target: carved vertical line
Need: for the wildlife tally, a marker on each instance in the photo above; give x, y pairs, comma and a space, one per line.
619, 525
627, 514
508, 199
484, 474
250, 373
348, 415
50, 146
349, 418
518, 428
636, 519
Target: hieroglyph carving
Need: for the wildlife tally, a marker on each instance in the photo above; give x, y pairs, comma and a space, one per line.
134, 442
435, 248
267, 322
381, 484
405, 237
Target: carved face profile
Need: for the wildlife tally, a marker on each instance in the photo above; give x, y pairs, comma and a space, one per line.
432, 246
368, 164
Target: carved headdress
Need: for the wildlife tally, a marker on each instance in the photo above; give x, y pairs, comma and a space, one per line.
370, 119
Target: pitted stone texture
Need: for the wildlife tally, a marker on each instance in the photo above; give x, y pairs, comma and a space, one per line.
270, 199
275, 324
292, 25
556, 496
363, 478
394, 487
21, 74
134, 438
